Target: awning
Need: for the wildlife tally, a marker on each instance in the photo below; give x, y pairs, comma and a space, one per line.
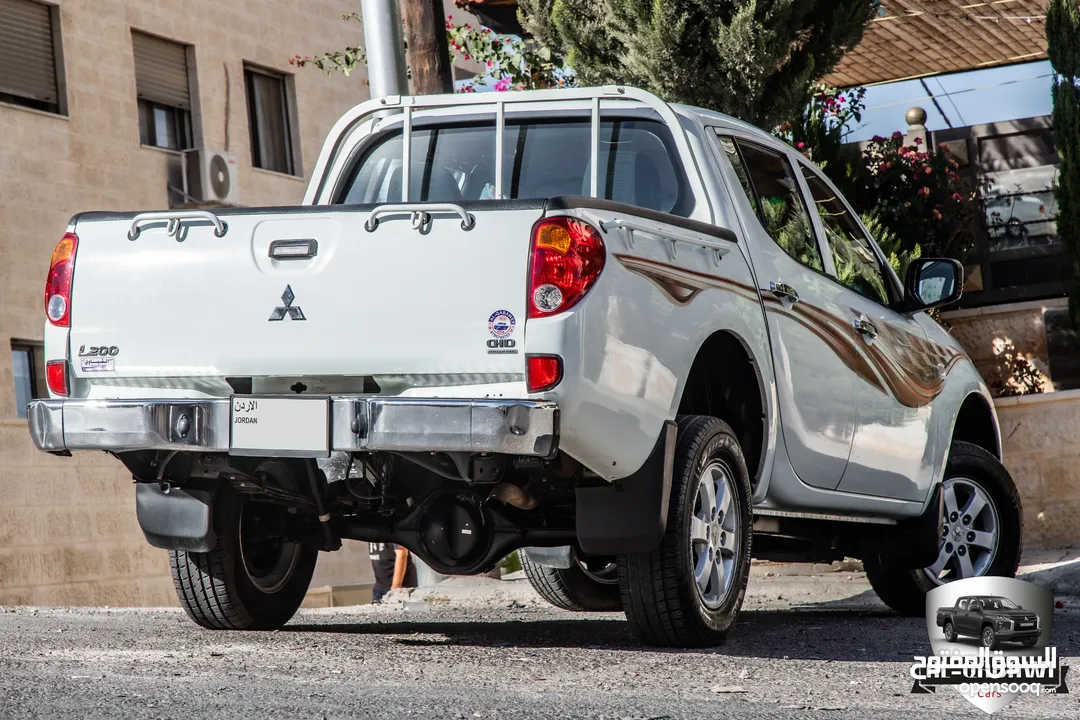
911, 39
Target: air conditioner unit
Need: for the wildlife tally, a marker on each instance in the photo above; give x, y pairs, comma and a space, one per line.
212, 177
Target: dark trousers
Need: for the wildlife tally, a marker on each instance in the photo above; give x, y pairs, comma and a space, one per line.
377, 593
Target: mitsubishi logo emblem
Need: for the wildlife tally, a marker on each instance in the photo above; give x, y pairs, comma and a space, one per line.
295, 313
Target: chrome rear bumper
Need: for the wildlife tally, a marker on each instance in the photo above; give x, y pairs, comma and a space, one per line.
512, 427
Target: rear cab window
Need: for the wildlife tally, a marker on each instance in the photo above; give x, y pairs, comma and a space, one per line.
455, 162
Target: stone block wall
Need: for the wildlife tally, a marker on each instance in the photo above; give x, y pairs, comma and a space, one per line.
1038, 434
982, 330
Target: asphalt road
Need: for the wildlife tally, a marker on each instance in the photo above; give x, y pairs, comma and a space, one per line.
806, 646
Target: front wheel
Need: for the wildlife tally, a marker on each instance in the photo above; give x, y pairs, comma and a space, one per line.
253, 579
981, 533
688, 591
989, 638
1029, 642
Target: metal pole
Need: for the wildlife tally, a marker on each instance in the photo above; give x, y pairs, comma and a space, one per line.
384, 46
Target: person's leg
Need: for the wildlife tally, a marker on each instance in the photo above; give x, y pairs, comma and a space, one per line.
377, 594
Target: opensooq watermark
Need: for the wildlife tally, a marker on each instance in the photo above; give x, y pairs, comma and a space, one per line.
991, 641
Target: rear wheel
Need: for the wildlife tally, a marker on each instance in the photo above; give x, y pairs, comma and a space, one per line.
588, 584
950, 632
688, 591
253, 578
981, 534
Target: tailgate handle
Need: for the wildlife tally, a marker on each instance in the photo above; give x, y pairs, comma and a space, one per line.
173, 219
294, 249
421, 215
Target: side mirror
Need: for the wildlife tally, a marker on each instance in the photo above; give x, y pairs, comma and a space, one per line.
932, 282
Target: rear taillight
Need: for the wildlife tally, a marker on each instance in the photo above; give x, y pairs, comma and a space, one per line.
542, 372
567, 257
58, 286
56, 376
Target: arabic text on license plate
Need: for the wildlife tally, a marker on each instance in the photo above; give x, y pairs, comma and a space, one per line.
297, 427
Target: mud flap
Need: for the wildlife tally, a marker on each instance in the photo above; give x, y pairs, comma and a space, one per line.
915, 543
629, 515
176, 520
552, 557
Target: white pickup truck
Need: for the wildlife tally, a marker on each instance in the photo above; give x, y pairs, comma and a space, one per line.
644, 342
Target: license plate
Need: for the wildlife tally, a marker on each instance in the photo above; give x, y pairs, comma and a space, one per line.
280, 427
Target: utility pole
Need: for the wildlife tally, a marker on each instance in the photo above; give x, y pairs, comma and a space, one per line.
384, 47
429, 52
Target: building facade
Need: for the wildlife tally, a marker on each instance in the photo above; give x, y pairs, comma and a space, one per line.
98, 102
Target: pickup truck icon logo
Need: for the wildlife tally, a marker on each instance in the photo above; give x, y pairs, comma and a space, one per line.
992, 619
294, 313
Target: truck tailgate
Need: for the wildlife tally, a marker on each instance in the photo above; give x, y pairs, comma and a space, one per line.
390, 301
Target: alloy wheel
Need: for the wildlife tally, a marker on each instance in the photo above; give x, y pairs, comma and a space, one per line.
714, 535
970, 532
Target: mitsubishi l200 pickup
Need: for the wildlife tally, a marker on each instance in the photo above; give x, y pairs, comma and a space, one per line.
642, 341
990, 618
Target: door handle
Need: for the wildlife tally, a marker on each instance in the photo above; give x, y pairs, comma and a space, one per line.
782, 290
865, 328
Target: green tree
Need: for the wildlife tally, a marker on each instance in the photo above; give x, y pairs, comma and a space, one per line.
1063, 47
753, 59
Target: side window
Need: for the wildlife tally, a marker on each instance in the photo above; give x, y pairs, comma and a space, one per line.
734, 158
963, 604
857, 265
780, 206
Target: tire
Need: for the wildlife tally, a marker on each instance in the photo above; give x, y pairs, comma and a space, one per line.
660, 596
904, 590
950, 632
988, 637
233, 588
1029, 642
572, 588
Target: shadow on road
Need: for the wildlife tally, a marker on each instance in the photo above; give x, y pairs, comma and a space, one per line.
813, 633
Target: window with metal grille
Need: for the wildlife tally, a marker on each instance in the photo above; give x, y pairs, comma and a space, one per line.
28, 373
270, 121
30, 71
161, 83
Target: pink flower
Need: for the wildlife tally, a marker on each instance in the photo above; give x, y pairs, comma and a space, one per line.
929, 170
800, 145
503, 84
937, 214
466, 57
957, 196
918, 141
897, 135
840, 99
877, 139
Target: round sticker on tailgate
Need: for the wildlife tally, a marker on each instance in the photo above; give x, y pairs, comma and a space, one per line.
501, 323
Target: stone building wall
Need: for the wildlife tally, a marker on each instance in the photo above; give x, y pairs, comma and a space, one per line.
68, 533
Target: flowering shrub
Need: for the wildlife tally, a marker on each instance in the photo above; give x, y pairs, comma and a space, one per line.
508, 62
820, 131
917, 194
1017, 373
